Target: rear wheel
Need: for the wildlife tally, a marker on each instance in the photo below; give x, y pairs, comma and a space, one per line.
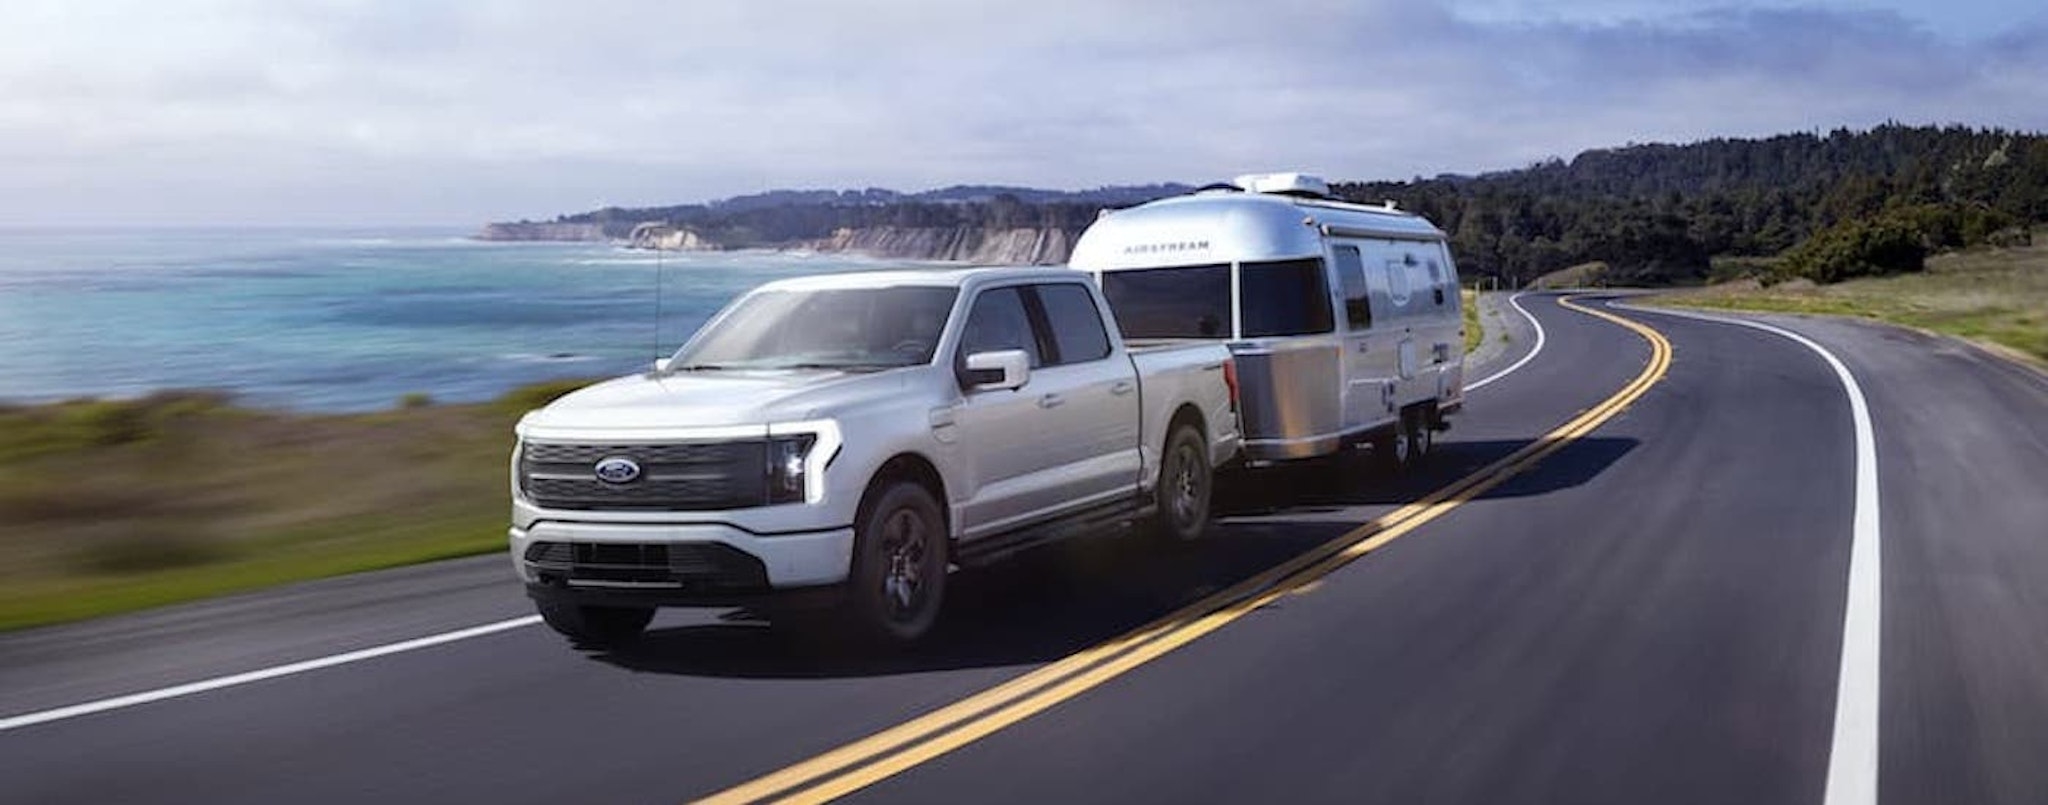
596, 627
899, 566
1186, 485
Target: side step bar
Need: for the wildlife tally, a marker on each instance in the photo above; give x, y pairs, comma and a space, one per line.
995, 547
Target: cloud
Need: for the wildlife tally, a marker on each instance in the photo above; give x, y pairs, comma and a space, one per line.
357, 111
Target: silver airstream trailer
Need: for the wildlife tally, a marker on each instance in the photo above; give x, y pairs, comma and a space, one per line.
1344, 317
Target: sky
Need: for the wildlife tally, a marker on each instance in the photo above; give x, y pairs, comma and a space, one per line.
446, 112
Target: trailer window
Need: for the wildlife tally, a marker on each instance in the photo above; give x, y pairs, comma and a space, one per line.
1357, 299
1180, 302
1397, 281
1286, 297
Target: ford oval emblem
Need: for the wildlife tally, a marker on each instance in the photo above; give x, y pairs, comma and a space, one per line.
617, 470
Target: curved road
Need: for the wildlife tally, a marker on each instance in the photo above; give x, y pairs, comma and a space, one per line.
1654, 611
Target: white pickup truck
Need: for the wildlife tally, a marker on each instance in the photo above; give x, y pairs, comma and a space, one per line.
837, 443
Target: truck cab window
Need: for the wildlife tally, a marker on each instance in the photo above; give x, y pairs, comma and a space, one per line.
1077, 332
1357, 298
998, 322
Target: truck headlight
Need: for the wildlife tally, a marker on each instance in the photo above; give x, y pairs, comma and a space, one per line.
787, 456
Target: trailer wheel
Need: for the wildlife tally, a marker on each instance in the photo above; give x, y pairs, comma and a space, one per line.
1186, 487
1408, 443
1394, 449
595, 627
1421, 435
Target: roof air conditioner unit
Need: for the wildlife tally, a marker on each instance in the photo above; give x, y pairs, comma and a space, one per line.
1289, 184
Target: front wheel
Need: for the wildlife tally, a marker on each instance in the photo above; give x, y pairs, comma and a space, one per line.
1186, 484
899, 566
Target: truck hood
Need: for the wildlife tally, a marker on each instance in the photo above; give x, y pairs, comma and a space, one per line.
710, 400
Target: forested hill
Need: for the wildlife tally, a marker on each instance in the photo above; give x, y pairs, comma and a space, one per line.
1827, 206
786, 217
1658, 213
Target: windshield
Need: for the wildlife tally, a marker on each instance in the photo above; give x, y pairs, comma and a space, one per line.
842, 328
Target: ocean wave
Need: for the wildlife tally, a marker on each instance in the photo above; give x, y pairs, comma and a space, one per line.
546, 357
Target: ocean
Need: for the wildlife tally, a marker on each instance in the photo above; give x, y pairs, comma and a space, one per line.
345, 320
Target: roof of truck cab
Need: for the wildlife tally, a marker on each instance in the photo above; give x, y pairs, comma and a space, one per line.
938, 277
1214, 227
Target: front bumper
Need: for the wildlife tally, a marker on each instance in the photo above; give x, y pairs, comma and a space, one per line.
702, 564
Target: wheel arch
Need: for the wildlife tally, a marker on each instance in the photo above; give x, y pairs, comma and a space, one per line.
914, 468
1188, 414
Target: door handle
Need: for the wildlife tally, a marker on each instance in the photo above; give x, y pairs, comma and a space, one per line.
1051, 401
1123, 387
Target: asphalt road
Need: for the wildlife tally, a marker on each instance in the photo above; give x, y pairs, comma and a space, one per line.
1655, 612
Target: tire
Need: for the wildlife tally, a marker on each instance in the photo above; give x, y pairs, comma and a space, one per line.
898, 581
1421, 436
1392, 451
596, 627
1187, 486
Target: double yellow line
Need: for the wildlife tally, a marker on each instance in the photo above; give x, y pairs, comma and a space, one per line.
887, 753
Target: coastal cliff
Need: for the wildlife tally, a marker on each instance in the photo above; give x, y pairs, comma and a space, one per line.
964, 223
960, 244
669, 238
965, 244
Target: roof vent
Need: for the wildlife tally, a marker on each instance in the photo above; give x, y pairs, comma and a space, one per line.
1286, 184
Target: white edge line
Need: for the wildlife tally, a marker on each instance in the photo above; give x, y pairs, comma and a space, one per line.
216, 683
1853, 758
1516, 303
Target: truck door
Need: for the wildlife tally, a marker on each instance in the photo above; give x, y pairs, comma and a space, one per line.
1089, 404
1002, 432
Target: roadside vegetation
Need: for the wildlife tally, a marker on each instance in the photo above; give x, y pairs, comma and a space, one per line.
1468, 300
109, 506
1996, 295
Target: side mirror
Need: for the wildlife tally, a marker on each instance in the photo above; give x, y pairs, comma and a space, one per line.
993, 371
661, 365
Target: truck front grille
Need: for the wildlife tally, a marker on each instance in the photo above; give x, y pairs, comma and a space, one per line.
706, 566
701, 476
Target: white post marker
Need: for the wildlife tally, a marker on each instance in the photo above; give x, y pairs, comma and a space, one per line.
1852, 760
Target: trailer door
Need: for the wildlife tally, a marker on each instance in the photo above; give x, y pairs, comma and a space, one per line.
1365, 368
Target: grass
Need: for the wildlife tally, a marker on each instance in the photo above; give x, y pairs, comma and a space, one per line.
1996, 296
1469, 301
1583, 275
112, 506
